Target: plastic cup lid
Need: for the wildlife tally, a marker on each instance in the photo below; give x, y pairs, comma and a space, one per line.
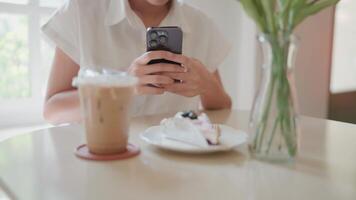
105, 78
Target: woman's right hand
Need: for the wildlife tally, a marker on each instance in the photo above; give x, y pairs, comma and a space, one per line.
149, 75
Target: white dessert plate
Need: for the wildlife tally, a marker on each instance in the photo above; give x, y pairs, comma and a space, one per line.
229, 139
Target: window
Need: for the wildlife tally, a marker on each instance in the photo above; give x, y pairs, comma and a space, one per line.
24, 59
344, 56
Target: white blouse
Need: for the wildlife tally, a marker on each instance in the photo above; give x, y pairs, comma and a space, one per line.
108, 34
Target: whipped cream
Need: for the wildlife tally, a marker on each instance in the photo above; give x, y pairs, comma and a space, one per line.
199, 132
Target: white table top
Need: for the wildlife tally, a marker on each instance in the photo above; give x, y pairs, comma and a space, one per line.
41, 165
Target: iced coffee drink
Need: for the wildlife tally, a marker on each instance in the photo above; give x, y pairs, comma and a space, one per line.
105, 102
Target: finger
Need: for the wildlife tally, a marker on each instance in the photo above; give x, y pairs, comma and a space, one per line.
155, 68
155, 79
177, 87
144, 90
182, 59
153, 55
177, 76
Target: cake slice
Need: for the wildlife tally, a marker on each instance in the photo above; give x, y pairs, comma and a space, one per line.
192, 128
183, 130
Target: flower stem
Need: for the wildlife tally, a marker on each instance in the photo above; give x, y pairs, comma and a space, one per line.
274, 130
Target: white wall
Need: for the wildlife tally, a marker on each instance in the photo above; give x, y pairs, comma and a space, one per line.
238, 71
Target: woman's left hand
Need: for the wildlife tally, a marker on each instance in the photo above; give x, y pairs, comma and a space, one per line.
196, 80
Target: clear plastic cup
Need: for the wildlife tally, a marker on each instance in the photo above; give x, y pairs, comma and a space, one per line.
105, 99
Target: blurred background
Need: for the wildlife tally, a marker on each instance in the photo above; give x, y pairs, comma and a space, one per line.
325, 72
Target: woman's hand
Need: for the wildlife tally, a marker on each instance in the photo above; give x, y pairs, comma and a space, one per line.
197, 80
194, 78
149, 75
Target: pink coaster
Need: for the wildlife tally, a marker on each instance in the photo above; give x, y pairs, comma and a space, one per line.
83, 152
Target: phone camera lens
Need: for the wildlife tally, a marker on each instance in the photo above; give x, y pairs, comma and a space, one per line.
153, 43
163, 39
153, 35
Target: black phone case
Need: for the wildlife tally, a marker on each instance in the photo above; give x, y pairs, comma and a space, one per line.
173, 41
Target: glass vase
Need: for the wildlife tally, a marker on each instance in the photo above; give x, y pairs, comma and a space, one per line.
273, 122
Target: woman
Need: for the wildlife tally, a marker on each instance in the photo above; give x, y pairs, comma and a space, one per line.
111, 34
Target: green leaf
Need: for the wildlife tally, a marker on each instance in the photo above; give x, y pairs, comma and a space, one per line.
313, 8
268, 8
295, 9
284, 13
251, 8
276, 17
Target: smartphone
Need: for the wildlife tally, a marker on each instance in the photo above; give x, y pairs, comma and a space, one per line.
167, 38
